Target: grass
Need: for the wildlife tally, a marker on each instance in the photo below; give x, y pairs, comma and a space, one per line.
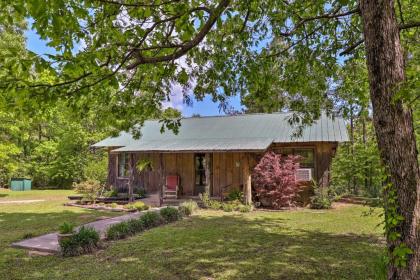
20, 221
304, 244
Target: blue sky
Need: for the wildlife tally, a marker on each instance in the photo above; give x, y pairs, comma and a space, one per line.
205, 108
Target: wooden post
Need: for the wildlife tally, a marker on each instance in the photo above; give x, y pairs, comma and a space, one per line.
131, 178
207, 172
247, 180
162, 179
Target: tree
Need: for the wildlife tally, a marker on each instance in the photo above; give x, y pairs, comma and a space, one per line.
274, 179
357, 168
223, 45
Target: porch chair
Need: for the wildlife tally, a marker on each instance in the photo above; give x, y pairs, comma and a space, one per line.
171, 186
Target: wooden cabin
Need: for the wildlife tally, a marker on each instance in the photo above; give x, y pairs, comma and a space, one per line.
217, 154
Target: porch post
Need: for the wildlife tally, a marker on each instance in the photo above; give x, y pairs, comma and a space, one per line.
131, 179
247, 180
207, 172
162, 180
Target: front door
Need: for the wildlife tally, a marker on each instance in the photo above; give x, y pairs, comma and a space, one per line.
202, 173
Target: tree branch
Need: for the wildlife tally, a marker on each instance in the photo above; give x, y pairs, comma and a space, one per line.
123, 3
409, 25
350, 49
214, 15
333, 14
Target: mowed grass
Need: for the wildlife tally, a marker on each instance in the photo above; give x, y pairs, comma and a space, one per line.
22, 220
304, 244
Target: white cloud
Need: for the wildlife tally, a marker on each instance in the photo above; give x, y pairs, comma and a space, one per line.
176, 98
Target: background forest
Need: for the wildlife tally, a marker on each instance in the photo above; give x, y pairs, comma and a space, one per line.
52, 145
48, 138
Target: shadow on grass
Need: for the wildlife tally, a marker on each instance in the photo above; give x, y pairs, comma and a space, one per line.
231, 247
217, 247
3, 194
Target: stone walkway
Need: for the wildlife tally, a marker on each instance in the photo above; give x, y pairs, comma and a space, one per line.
49, 242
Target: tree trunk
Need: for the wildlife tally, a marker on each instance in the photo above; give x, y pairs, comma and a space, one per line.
367, 173
353, 179
393, 123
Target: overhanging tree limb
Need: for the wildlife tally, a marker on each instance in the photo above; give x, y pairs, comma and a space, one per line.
358, 43
214, 15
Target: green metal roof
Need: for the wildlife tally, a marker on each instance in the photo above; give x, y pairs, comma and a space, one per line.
228, 133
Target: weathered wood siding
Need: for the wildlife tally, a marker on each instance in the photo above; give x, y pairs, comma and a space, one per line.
323, 154
226, 173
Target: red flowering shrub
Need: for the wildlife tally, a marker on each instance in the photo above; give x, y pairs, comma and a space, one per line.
274, 180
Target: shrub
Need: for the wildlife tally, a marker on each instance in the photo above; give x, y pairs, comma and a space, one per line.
151, 219
188, 207
85, 241
118, 231
235, 195
215, 205
321, 199
228, 207
114, 205
129, 206
210, 203
135, 226
124, 229
90, 189
70, 247
88, 238
110, 193
139, 206
274, 179
170, 214
204, 197
97, 168
66, 228
141, 192
245, 208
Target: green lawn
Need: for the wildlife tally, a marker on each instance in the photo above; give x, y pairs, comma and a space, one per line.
303, 244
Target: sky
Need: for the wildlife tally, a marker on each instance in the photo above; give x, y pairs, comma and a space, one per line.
204, 108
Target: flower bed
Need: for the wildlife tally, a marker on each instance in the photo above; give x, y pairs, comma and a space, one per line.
126, 207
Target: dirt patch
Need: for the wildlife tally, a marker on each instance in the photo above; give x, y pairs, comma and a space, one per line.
339, 205
283, 209
38, 254
22, 201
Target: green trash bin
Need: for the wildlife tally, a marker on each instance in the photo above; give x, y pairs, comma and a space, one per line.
20, 184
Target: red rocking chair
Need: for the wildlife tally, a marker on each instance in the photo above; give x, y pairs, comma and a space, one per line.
171, 186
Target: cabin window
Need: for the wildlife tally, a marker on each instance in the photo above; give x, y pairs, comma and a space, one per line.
307, 154
123, 160
307, 157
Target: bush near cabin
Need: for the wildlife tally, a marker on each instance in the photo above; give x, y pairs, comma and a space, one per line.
274, 180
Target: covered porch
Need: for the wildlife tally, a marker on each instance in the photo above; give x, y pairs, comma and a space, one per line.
216, 173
